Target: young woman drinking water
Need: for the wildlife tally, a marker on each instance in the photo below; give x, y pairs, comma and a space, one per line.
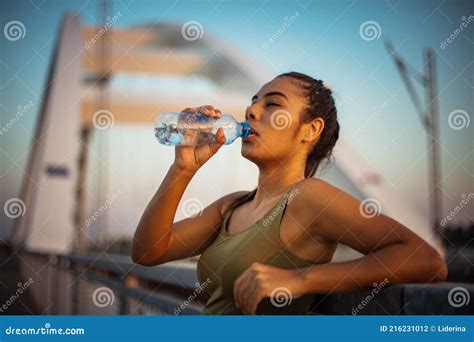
268, 251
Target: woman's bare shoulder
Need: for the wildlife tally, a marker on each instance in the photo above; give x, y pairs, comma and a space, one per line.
314, 190
310, 186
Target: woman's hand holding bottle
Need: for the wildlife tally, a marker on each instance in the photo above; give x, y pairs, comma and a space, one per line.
190, 158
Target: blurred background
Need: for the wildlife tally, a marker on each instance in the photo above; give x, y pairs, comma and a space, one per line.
83, 81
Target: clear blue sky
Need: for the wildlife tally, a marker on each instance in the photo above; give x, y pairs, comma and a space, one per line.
324, 41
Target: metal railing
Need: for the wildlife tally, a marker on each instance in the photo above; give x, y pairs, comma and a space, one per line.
104, 284
100, 284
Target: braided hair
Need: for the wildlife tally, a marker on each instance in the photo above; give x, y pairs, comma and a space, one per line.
320, 105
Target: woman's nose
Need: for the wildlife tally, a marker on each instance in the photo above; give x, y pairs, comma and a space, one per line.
249, 115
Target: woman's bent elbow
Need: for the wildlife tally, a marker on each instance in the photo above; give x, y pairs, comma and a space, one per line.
146, 257
442, 272
142, 260
439, 269
140, 257
136, 257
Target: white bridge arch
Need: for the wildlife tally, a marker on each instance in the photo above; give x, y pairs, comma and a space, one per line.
56, 212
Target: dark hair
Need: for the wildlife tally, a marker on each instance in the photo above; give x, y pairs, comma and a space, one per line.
320, 105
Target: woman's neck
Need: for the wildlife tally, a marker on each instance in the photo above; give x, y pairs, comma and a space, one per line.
274, 182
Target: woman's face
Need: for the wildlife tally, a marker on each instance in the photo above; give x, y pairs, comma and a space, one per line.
274, 115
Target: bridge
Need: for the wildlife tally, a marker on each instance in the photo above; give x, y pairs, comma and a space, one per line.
51, 265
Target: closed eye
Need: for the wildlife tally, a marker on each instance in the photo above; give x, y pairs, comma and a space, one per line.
273, 104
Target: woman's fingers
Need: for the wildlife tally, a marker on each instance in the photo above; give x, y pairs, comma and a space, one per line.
248, 292
190, 110
241, 282
220, 136
220, 140
210, 110
203, 152
248, 298
254, 298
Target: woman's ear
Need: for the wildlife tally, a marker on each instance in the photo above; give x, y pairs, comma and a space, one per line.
314, 129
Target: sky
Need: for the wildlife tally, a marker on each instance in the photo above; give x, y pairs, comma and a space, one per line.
324, 39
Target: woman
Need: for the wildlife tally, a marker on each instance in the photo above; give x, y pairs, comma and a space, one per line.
267, 251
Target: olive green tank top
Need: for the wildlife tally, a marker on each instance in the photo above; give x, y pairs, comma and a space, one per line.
231, 254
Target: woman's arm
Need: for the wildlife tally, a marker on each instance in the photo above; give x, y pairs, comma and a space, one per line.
154, 232
157, 239
392, 252
407, 261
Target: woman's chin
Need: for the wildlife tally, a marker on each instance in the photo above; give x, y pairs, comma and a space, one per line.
248, 152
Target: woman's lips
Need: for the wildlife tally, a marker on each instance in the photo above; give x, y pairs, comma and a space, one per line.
253, 134
250, 137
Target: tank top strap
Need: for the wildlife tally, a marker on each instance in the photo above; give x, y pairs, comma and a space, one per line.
271, 224
229, 210
240, 200
272, 218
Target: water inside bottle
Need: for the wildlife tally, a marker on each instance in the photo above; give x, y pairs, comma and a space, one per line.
172, 135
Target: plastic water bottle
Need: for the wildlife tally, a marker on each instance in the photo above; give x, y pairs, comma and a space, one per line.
188, 129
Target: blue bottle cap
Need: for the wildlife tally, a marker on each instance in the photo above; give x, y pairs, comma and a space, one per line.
245, 129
